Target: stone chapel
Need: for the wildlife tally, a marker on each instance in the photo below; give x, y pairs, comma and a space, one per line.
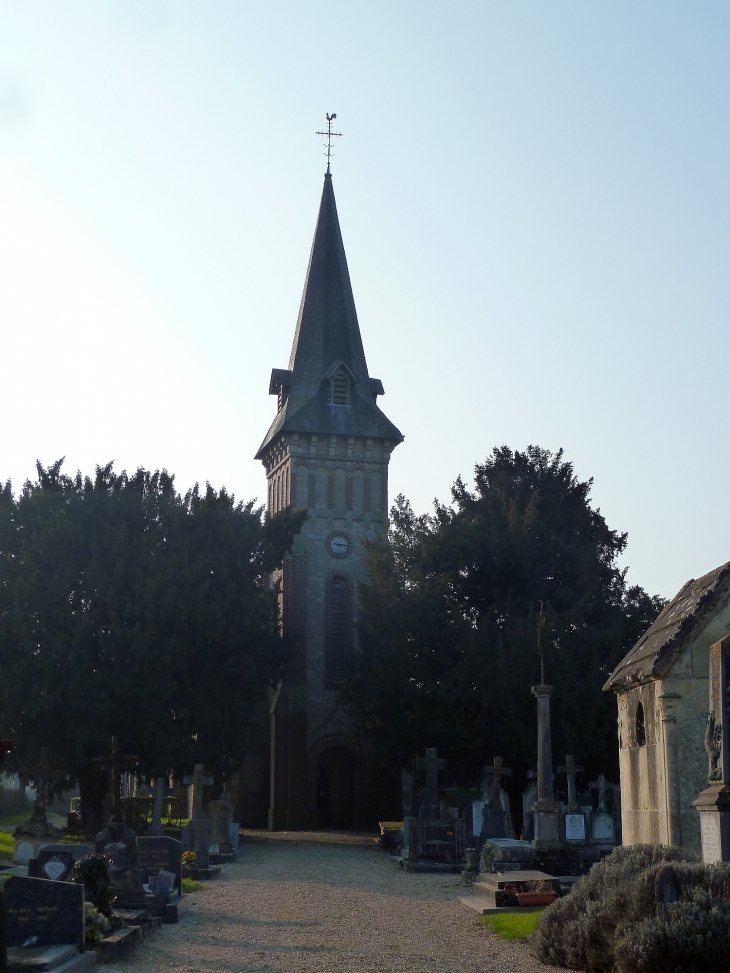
662, 689
327, 450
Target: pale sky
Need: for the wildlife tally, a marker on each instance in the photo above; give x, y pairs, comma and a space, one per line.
534, 203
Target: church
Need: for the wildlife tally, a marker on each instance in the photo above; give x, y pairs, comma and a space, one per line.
327, 450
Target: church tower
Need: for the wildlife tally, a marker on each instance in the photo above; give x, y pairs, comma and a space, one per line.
327, 451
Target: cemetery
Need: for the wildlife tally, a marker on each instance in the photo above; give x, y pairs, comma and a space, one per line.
339, 729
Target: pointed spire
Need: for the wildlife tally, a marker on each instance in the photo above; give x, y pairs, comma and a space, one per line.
327, 335
327, 329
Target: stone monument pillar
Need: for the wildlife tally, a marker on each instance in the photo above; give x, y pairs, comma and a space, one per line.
546, 812
713, 803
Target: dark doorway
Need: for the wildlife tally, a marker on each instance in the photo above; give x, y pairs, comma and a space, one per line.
337, 789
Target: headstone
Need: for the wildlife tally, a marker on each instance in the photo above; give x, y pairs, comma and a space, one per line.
234, 835
158, 853
56, 861
713, 803
476, 817
406, 789
430, 809
575, 827
602, 829
546, 811
221, 814
119, 844
41, 913
493, 814
155, 826
570, 769
529, 796
196, 834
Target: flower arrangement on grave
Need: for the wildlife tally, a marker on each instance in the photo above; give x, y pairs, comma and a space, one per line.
95, 924
188, 858
93, 873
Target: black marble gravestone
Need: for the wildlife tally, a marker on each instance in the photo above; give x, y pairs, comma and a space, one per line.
56, 861
43, 913
157, 852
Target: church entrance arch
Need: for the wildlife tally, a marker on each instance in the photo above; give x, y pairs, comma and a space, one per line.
339, 788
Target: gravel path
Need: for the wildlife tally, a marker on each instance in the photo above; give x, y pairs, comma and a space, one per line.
297, 902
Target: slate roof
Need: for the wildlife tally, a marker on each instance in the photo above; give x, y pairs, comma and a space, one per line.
659, 646
327, 332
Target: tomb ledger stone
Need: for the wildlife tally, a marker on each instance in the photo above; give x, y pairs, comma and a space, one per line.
713, 803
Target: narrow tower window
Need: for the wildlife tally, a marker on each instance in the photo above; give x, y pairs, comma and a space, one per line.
640, 726
311, 490
338, 629
339, 389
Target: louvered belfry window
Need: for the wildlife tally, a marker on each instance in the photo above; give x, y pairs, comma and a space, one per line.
338, 629
340, 389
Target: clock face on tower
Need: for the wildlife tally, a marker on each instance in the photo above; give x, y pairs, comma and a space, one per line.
338, 545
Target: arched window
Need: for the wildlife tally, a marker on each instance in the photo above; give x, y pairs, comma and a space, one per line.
338, 629
340, 389
640, 726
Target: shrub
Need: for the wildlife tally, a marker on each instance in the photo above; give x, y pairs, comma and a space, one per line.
579, 931
685, 937
93, 873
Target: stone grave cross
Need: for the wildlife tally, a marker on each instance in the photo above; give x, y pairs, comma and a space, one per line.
499, 771
198, 780
570, 769
116, 763
603, 787
432, 765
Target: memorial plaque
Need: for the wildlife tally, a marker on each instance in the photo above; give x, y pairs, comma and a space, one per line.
575, 827
158, 853
56, 861
603, 830
710, 834
51, 913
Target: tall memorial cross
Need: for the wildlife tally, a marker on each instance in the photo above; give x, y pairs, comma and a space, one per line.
499, 771
714, 802
432, 765
570, 769
198, 781
116, 763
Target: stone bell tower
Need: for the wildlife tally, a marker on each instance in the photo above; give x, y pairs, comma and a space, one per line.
327, 451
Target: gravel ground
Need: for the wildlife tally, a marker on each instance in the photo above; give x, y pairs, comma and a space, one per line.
297, 902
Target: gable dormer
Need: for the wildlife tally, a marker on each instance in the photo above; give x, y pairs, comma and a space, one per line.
340, 380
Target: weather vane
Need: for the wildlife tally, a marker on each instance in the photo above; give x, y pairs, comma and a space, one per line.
330, 135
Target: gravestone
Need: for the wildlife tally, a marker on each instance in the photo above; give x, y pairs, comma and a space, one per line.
116, 840
602, 829
158, 853
221, 815
55, 862
51, 913
575, 827
195, 835
546, 811
713, 803
493, 813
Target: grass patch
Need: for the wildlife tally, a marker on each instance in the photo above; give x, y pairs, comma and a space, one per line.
511, 925
190, 885
7, 846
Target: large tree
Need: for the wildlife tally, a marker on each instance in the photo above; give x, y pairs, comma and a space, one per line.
450, 616
128, 609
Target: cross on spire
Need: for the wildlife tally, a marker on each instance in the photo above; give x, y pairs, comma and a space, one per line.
116, 763
330, 135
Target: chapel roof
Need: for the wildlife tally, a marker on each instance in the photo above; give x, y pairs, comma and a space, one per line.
327, 335
657, 649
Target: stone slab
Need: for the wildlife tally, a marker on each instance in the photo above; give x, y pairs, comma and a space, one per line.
40, 959
498, 880
477, 903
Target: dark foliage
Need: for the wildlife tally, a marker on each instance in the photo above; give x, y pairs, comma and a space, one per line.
450, 614
128, 609
93, 873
